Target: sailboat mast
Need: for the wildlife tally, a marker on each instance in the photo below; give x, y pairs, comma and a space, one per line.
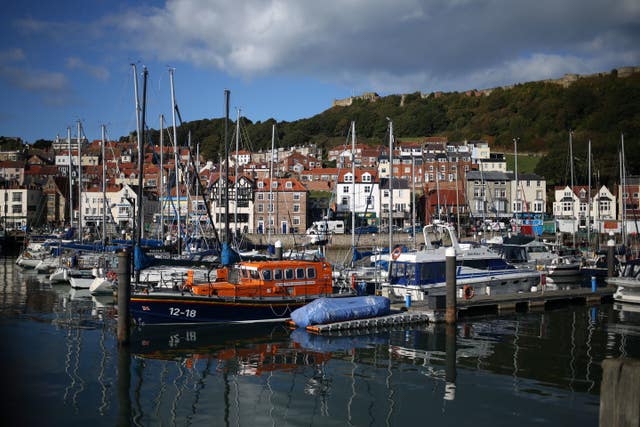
161, 195
270, 205
589, 195
70, 178
515, 159
573, 214
623, 179
138, 130
413, 199
353, 185
438, 188
235, 178
390, 185
226, 165
140, 228
175, 159
104, 188
79, 184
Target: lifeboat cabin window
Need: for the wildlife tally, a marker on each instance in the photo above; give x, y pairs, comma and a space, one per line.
277, 274
255, 274
288, 274
300, 273
266, 275
311, 273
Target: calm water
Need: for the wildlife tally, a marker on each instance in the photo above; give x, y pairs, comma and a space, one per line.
61, 366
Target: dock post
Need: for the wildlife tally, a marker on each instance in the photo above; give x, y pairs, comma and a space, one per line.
450, 272
278, 246
124, 296
611, 246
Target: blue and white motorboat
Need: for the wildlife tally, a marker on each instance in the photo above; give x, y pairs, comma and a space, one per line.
480, 270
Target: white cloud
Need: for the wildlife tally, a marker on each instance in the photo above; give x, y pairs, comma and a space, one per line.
403, 45
11, 55
35, 80
98, 72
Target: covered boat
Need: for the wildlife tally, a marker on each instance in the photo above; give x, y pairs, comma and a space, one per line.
331, 310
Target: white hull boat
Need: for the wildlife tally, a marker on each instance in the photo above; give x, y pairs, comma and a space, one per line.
480, 271
628, 284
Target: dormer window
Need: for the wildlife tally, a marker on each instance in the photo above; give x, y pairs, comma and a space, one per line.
260, 184
348, 178
289, 184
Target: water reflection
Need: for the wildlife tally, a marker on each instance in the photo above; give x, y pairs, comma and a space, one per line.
527, 368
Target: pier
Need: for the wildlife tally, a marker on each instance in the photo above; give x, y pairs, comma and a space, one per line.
425, 312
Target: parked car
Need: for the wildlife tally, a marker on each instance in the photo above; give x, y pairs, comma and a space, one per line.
394, 229
366, 229
409, 229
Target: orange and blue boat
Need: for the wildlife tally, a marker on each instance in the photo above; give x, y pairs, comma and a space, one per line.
245, 292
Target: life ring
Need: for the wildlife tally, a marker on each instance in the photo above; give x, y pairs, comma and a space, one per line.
396, 252
468, 292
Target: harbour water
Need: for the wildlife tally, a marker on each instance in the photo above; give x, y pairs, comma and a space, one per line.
61, 365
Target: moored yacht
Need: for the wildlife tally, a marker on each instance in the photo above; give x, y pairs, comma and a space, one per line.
480, 271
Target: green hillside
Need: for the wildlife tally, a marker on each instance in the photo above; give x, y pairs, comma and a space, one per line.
539, 114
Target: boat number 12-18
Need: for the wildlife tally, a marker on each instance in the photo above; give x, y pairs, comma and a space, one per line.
177, 312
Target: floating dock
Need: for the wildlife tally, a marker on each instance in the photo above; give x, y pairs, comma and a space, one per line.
420, 312
527, 301
398, 318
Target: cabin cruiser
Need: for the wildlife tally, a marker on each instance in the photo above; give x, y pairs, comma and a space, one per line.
480, 271
559, 266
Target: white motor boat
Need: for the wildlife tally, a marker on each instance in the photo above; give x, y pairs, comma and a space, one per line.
480, 270
628, 283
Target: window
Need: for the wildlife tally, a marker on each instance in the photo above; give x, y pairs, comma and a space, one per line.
296, 208
266, 275
288, 184
260, 207
260, 184
366, 177
277, 274
296, 220
345, 189
367, 189
260, 196
348, 178
288, 274
300, 273
16, 197
16, 209
296, 196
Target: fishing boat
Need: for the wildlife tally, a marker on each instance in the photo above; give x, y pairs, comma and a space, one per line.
628, 283
245, 292
480, 270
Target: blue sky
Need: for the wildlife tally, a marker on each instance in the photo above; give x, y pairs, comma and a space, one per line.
64, 61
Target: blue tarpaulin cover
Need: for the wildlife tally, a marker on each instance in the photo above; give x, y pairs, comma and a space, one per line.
330, 310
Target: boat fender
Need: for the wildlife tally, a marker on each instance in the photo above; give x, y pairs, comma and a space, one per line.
353, 281
111, 275
396, 252
468, 292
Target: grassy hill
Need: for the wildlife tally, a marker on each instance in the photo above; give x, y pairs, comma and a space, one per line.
540, 114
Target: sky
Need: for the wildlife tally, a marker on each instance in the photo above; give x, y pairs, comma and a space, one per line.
67, 61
